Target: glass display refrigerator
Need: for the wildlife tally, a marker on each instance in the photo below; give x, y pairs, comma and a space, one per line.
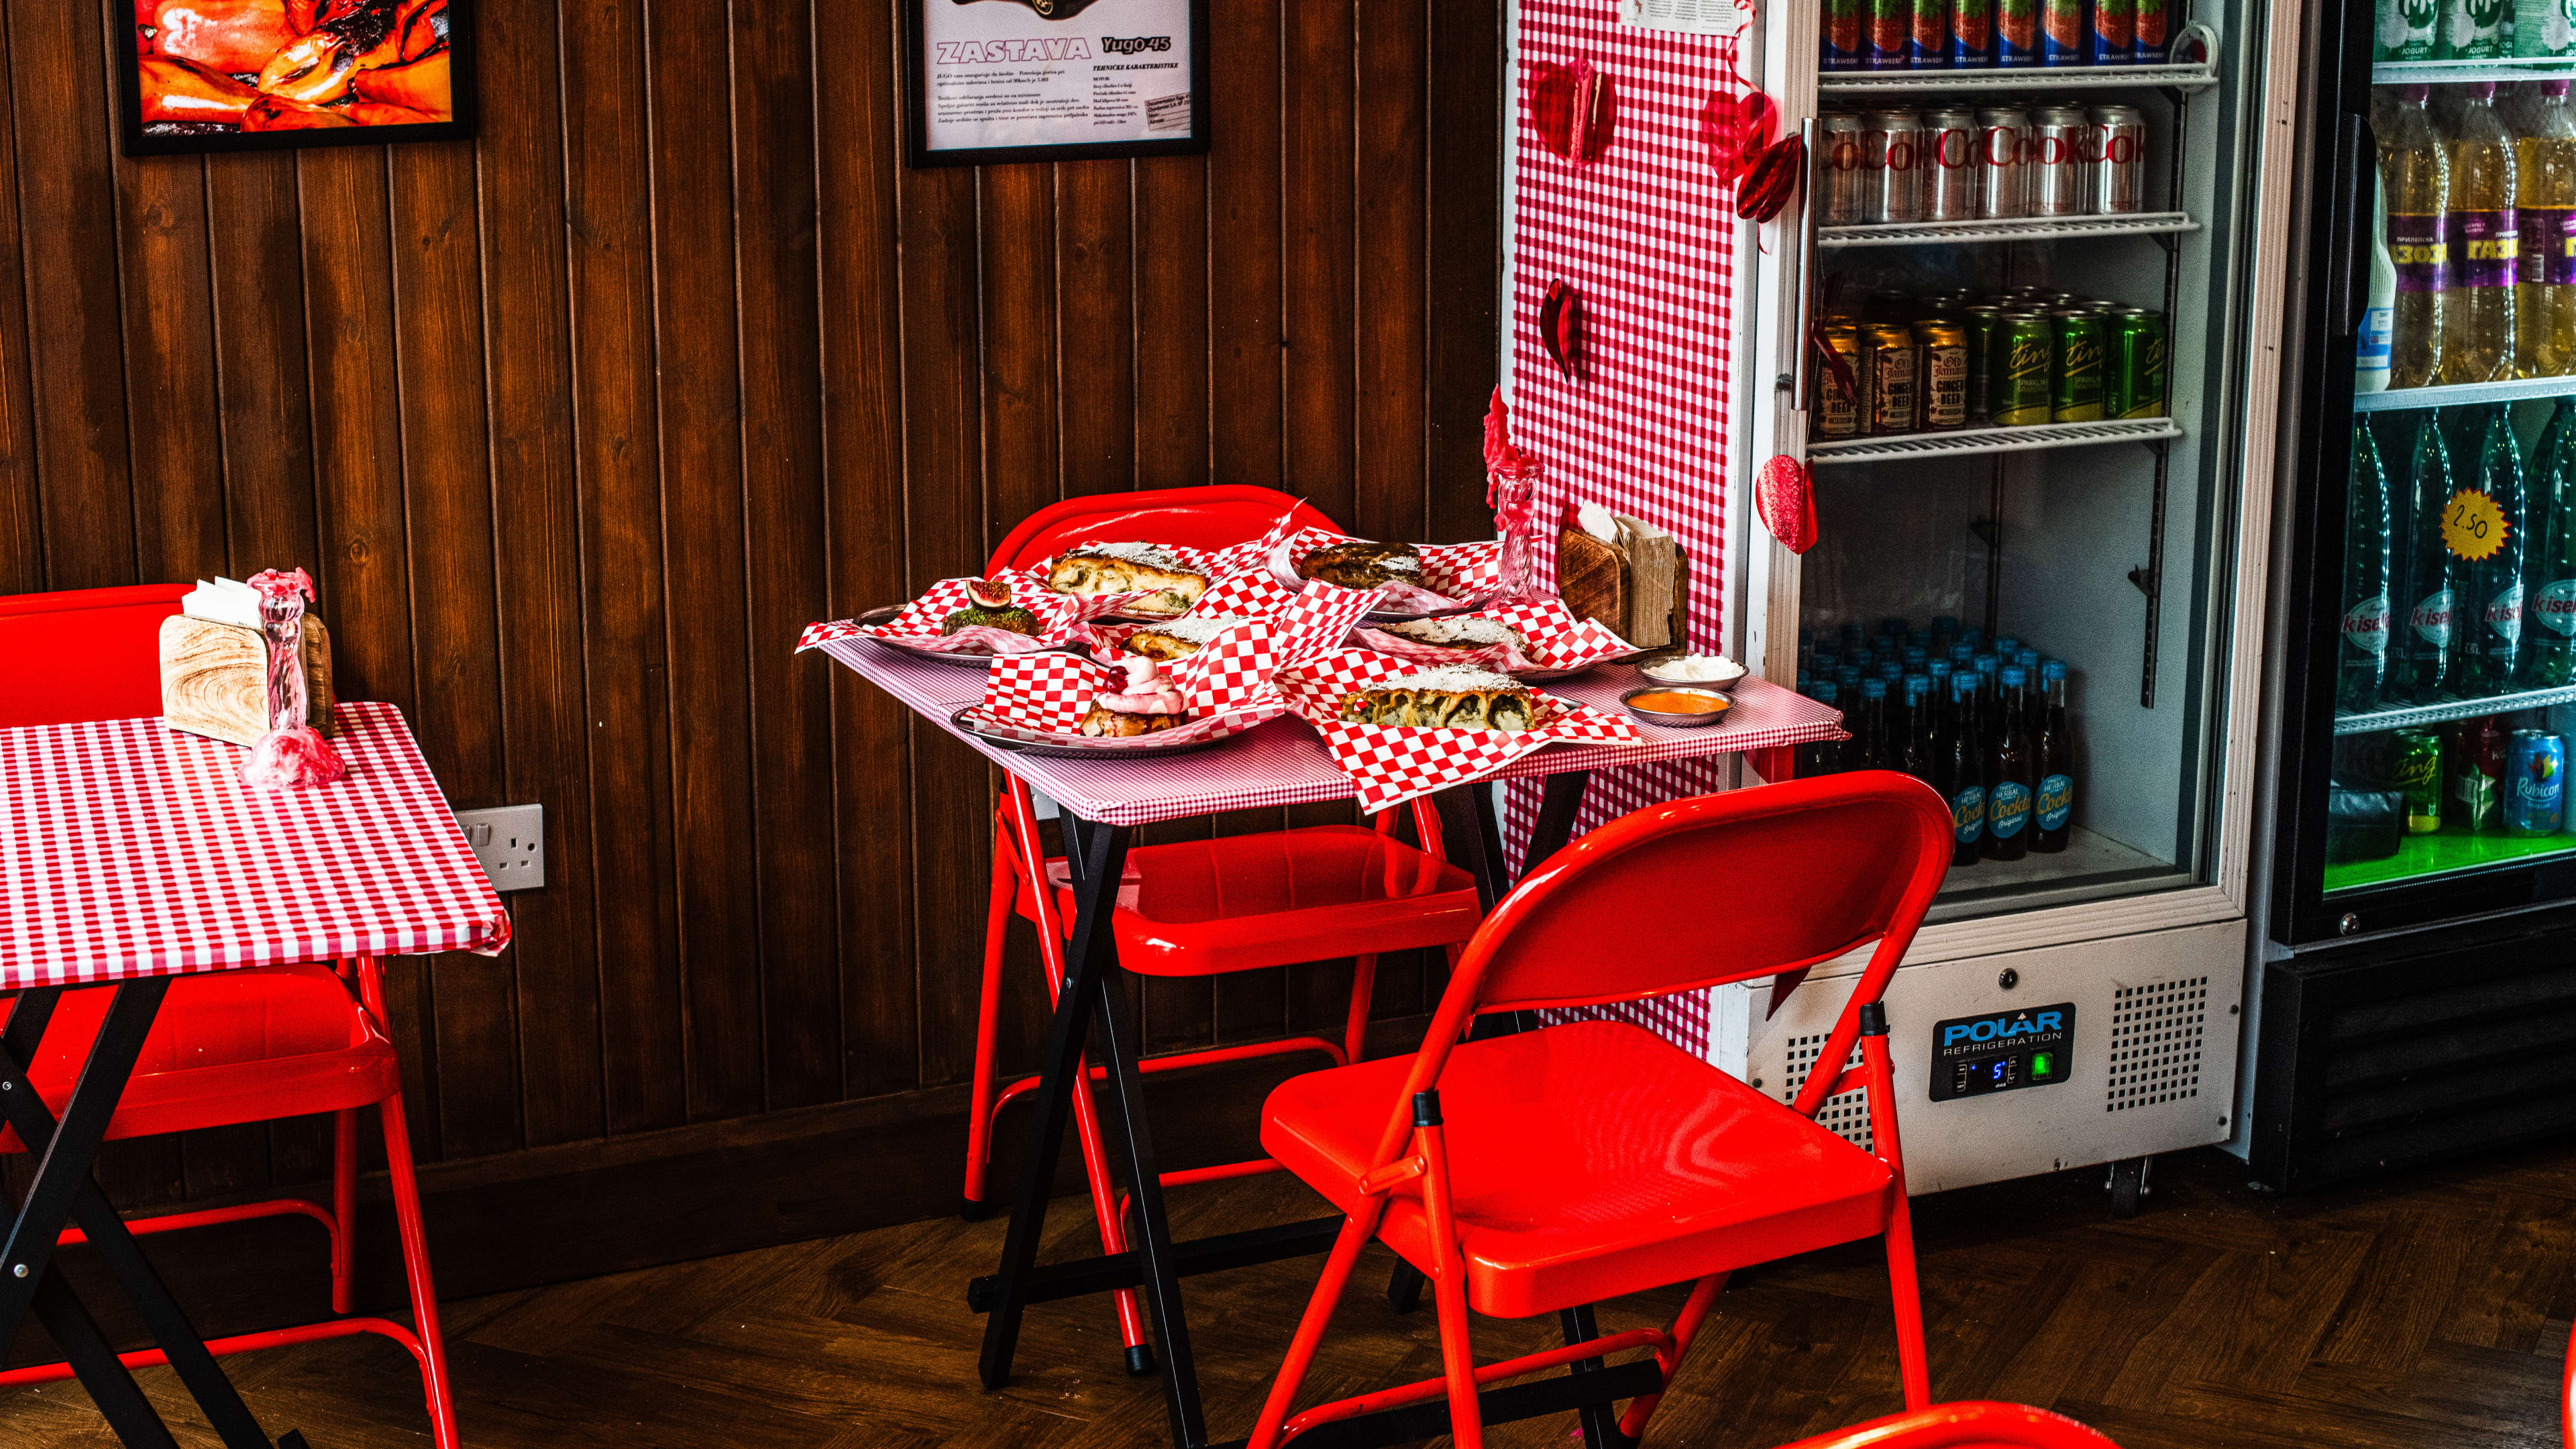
2416, 996
2017, 327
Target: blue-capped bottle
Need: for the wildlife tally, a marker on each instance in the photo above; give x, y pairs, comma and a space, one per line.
1867, 748
1823, 757
2009, 778
1914, 735
2052, 823
1963, 772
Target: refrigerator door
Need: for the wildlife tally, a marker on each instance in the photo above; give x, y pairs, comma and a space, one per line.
2023, 377
2428, 691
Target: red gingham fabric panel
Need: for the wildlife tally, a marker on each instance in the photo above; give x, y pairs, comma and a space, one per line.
133, 850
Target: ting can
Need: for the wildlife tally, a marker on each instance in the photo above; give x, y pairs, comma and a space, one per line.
2023, 369
2016, 33
2134, 383
1985, 326
2418, 767
2003, 171
2075, 394
1943, 364
1972, 34
1839, 407
2061, 181
2151, 32
2120, 179
2111, 37
1889, 377
1841, 183
1891, 166
2535, 783
1887, 35
2062, 37
1948, 152
1930, 49
1841, 24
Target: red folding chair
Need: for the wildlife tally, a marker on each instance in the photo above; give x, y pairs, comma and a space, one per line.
1207, 907
1556, 1168
228, 1047
1963, 1426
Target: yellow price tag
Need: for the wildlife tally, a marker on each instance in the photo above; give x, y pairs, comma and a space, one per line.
2473, 527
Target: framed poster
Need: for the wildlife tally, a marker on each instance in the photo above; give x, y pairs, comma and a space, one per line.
268, 75
994, 81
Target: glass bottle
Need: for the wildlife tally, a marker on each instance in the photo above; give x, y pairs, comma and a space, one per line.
1867, 749
2549, 573
2361, 671
2052, 816
2008, 774
2433, 573
1963, 773
2486, 525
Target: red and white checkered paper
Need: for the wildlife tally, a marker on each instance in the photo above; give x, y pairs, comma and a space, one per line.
1391, 764
132, 849
1556, 640
1453, 574
922, 621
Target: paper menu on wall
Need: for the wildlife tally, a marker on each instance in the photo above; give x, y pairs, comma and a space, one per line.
222, 601
1690, 17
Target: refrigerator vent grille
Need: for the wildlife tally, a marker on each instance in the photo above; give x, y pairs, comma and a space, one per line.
2157, 1032
1846, 1116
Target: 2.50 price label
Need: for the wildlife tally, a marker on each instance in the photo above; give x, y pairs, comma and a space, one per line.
2473, 526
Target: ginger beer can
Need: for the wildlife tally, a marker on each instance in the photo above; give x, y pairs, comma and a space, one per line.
1891, 374
1838, 408
1942, 363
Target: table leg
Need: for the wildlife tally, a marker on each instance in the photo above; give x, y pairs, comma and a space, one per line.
1559, 802
64, 1189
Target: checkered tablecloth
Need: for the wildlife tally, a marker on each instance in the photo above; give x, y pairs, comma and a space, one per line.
130, 849
1283, 763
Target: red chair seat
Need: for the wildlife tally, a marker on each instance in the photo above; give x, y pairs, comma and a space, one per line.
1205, 907
228, 1048
1588, 1160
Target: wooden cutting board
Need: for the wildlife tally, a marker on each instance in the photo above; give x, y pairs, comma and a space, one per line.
1592, 578
214, 679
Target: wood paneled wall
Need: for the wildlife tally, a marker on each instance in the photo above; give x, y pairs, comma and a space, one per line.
578, 424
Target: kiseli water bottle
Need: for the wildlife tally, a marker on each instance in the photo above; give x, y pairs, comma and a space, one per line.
2361, 670
2433, 576
2544, 147
2477, 313
2549, 575
2415, 169
2485, 525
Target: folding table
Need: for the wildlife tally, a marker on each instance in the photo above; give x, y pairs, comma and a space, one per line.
1279, 763
132, 854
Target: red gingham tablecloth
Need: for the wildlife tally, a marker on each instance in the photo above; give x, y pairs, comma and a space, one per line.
1283, 763
130, 849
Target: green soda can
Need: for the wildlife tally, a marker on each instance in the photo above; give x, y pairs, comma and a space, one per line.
2133, 386
2406, 29
2025, 360
2076, 396
1985, 332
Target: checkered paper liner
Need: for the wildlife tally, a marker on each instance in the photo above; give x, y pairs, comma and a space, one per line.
1453, 574
919, 625
1226, 684
1390, 764
1557, 641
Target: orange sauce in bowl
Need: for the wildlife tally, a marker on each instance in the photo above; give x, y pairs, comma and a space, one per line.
1674, 701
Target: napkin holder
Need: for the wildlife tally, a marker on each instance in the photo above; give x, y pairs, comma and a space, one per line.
214, 679
1638, 586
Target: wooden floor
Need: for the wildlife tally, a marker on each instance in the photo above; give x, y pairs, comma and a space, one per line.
2427, 1311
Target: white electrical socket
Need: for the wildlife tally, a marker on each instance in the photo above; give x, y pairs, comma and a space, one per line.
511, 843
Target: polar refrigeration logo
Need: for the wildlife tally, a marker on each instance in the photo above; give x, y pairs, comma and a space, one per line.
2003, 1028
1135, 44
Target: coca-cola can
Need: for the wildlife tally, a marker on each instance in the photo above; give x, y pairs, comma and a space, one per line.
1841, 184
1891, 151
1949, 158
2120, 179
2062, 147
2003, 157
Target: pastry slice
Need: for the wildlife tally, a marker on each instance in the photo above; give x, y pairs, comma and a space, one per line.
1130, 568
1180, 638
991, 608
1458, 633
1110, 724
1453, 696
1363, 565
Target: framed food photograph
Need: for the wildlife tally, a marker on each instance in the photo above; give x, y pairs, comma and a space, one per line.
267, 75
994, 81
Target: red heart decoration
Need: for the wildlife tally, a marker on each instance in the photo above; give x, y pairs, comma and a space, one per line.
1736, 131
1573, 108
1766, 188
1560, 322
1784, 495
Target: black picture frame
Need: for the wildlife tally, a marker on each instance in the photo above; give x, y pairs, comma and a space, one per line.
918, 154
136, 142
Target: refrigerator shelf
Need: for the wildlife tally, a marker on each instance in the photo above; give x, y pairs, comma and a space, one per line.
2415, 716
2449, 72
2192, 77
1993, 440
2462, 394
2030, 228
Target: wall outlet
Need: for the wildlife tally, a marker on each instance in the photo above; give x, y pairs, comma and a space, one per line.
511, 843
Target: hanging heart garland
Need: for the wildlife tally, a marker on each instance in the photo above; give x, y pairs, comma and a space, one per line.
1765, 189
1736, 130
1574, 107
1560, 322
1784, 495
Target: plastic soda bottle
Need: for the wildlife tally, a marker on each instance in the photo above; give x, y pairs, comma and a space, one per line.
2405, 29
2361, 669
2485, 525
2433, 573
2371, 349
2415, 172
2483, 236
2545, 208
2549, 575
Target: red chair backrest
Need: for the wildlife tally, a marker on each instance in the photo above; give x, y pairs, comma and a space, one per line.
1218, 516
1703, 891
1964, 1426
83, 655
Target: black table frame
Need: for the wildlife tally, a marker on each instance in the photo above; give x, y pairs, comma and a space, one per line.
64, 1190
1091, 1018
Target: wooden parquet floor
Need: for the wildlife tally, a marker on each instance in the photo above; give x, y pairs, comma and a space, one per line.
2428, 1312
